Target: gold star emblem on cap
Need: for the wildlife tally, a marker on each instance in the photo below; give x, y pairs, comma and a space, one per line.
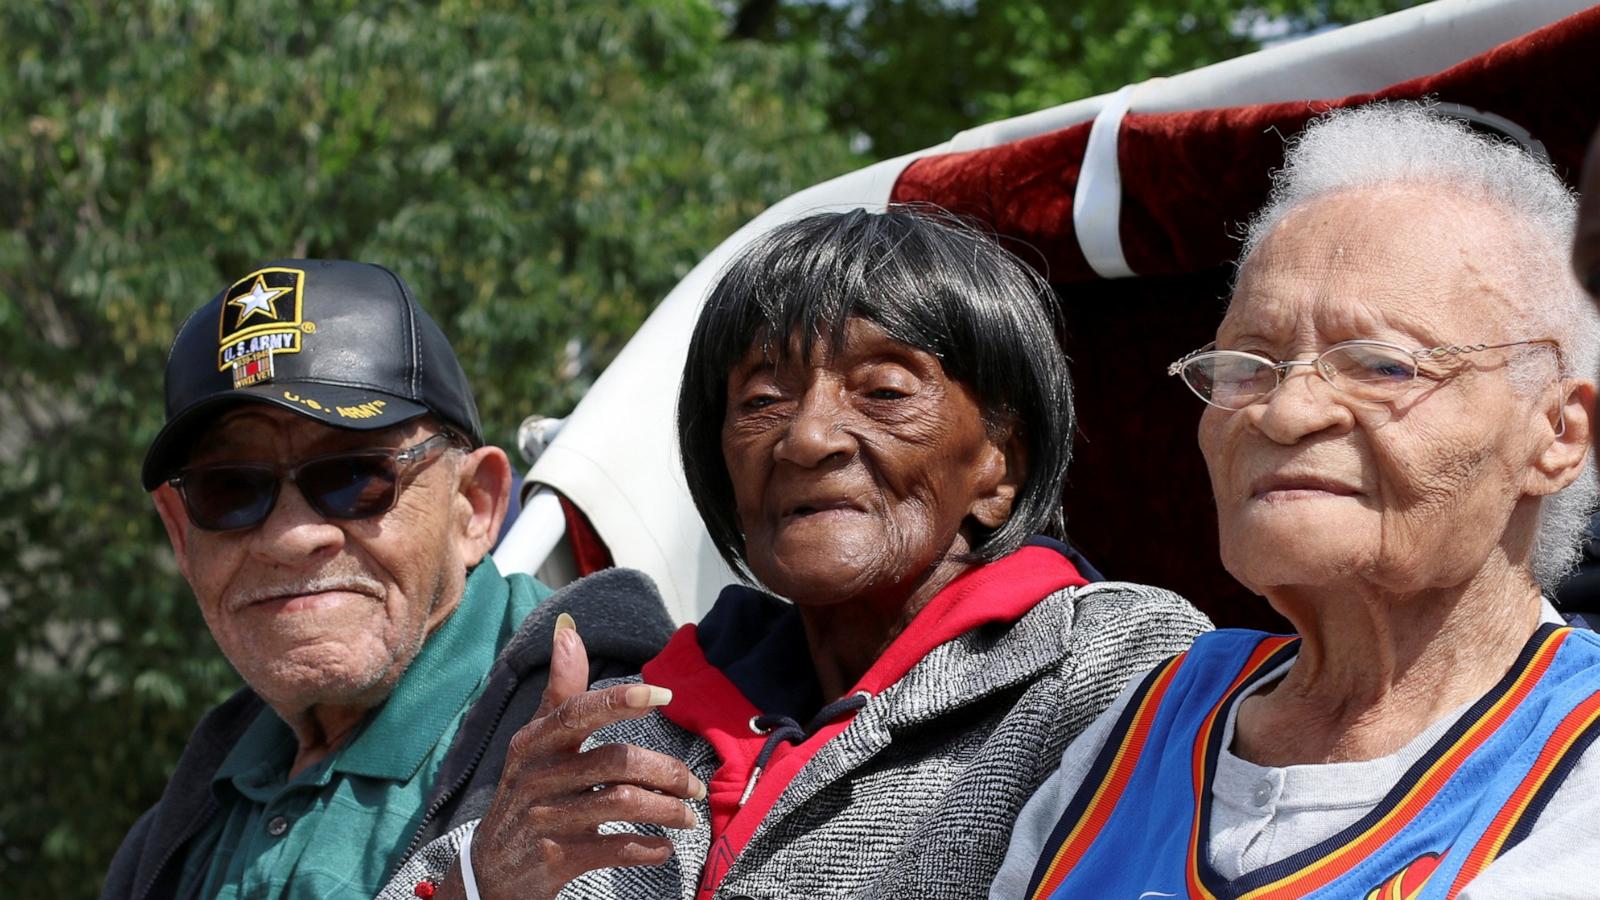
260, 299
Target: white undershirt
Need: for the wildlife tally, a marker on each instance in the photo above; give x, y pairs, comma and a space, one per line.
1263, 814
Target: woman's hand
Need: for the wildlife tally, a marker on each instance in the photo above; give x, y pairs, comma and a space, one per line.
541, 830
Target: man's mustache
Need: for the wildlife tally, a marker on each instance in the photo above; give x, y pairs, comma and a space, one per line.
354, 582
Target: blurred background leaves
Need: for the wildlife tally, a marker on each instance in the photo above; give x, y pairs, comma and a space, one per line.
940, 66
541, 172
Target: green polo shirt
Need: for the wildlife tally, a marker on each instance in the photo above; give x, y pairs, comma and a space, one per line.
337, 828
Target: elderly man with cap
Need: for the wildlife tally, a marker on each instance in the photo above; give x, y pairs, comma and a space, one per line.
324, 481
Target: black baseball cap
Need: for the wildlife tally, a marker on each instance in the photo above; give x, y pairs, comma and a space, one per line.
344, 343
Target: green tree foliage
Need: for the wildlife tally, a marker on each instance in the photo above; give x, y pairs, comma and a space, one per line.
538, 171
917, 72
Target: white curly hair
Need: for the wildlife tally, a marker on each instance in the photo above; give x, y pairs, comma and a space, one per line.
1411, 144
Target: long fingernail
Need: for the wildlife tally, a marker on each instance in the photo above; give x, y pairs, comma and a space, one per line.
642, 696
697, 789
564, 624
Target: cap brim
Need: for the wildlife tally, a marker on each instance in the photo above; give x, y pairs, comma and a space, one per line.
356, 409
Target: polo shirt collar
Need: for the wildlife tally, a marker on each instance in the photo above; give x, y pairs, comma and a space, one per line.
446, 673
258, 763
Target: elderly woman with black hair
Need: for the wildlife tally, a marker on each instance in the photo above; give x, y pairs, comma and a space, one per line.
875, 421
1398, 410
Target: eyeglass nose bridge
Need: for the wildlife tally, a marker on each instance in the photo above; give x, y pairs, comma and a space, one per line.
1280, 371
310, 499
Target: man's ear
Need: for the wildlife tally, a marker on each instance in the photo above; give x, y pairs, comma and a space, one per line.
169, 506
1564, 429
1000, 473
483, 491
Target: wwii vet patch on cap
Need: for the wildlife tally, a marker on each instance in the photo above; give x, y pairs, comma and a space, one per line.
344, 343
260, 318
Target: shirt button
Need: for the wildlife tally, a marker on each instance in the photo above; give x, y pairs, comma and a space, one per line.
1262, 794
277, 826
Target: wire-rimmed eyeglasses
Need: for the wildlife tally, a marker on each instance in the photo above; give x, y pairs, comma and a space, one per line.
1370, 370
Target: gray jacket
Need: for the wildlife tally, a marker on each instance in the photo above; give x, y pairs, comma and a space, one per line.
916, 798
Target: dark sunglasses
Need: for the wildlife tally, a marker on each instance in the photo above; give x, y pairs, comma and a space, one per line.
354, 485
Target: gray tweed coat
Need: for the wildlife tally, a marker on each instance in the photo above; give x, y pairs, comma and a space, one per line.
916, 798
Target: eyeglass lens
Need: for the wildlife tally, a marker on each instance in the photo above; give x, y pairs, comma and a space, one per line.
222, 498
1230, 380
1235, 380
352, 486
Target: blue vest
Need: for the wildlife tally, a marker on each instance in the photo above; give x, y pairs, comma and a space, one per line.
1138, 827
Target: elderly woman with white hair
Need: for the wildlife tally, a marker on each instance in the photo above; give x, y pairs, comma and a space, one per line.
1397, 432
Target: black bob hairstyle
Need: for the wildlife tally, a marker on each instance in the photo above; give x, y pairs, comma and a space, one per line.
929, 281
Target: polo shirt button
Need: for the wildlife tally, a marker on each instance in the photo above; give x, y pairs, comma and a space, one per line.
1262, 794
278, 826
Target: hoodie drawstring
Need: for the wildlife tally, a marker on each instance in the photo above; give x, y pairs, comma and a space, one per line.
779, 729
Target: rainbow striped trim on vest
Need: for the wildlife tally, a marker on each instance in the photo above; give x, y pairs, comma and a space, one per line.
1138, 825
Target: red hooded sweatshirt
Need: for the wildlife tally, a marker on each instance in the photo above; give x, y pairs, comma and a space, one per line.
748, 658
